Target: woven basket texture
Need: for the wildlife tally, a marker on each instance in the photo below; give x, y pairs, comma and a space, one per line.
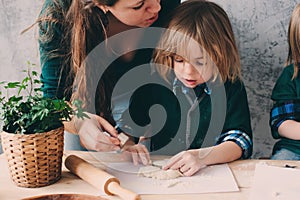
34, 160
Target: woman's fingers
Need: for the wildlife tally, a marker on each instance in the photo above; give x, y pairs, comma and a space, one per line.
135, 157
114, 141
99, 146
139, 153
105, 125
147, 159
100, 143
94, 139
143, 154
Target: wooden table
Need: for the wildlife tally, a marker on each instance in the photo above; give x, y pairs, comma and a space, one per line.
243, 171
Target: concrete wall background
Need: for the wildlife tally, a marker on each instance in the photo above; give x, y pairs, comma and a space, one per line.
17, 49
260, 28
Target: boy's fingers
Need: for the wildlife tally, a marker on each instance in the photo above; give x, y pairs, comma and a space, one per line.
170, 164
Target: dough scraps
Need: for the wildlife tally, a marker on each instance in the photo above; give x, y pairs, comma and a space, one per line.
158, 173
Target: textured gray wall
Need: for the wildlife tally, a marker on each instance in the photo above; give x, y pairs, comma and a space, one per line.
17, 49
261, 30
260, 27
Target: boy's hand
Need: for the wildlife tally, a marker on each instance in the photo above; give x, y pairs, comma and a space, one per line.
188, 162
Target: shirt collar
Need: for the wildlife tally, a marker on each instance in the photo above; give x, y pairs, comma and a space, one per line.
198, 90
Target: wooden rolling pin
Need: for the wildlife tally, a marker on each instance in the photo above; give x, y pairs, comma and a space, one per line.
98, 178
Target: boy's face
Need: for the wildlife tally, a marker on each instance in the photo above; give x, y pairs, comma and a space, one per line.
193, 72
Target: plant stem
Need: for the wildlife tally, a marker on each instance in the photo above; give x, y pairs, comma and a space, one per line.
31, 82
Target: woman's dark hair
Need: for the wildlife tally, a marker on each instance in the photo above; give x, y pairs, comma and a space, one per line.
83, 25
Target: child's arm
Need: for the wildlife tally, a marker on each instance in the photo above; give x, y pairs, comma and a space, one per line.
223, 153
290, 129
284, 120
191, 161
285, 113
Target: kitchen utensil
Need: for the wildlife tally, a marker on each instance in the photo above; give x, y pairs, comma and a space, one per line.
98, 178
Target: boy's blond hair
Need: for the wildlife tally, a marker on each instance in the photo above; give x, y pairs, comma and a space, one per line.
208, 25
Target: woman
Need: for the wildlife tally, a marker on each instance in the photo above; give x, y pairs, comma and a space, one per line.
69, 31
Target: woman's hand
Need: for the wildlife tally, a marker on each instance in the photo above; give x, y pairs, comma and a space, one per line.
92, 136
138, 152
187, 162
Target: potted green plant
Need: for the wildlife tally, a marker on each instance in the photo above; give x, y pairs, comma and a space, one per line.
33, 133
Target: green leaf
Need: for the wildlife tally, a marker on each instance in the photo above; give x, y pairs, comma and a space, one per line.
12, 85
21, 87
26, 80
14, 99
37, 82
32, 113
34, 73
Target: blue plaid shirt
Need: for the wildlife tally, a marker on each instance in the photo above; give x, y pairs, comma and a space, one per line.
240, 138
289, 110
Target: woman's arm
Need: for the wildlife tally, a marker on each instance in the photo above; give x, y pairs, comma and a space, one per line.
70, 127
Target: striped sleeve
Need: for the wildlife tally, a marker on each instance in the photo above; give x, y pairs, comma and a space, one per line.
289, 110
240, 138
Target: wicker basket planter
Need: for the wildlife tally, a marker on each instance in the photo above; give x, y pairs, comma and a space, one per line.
34, 160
